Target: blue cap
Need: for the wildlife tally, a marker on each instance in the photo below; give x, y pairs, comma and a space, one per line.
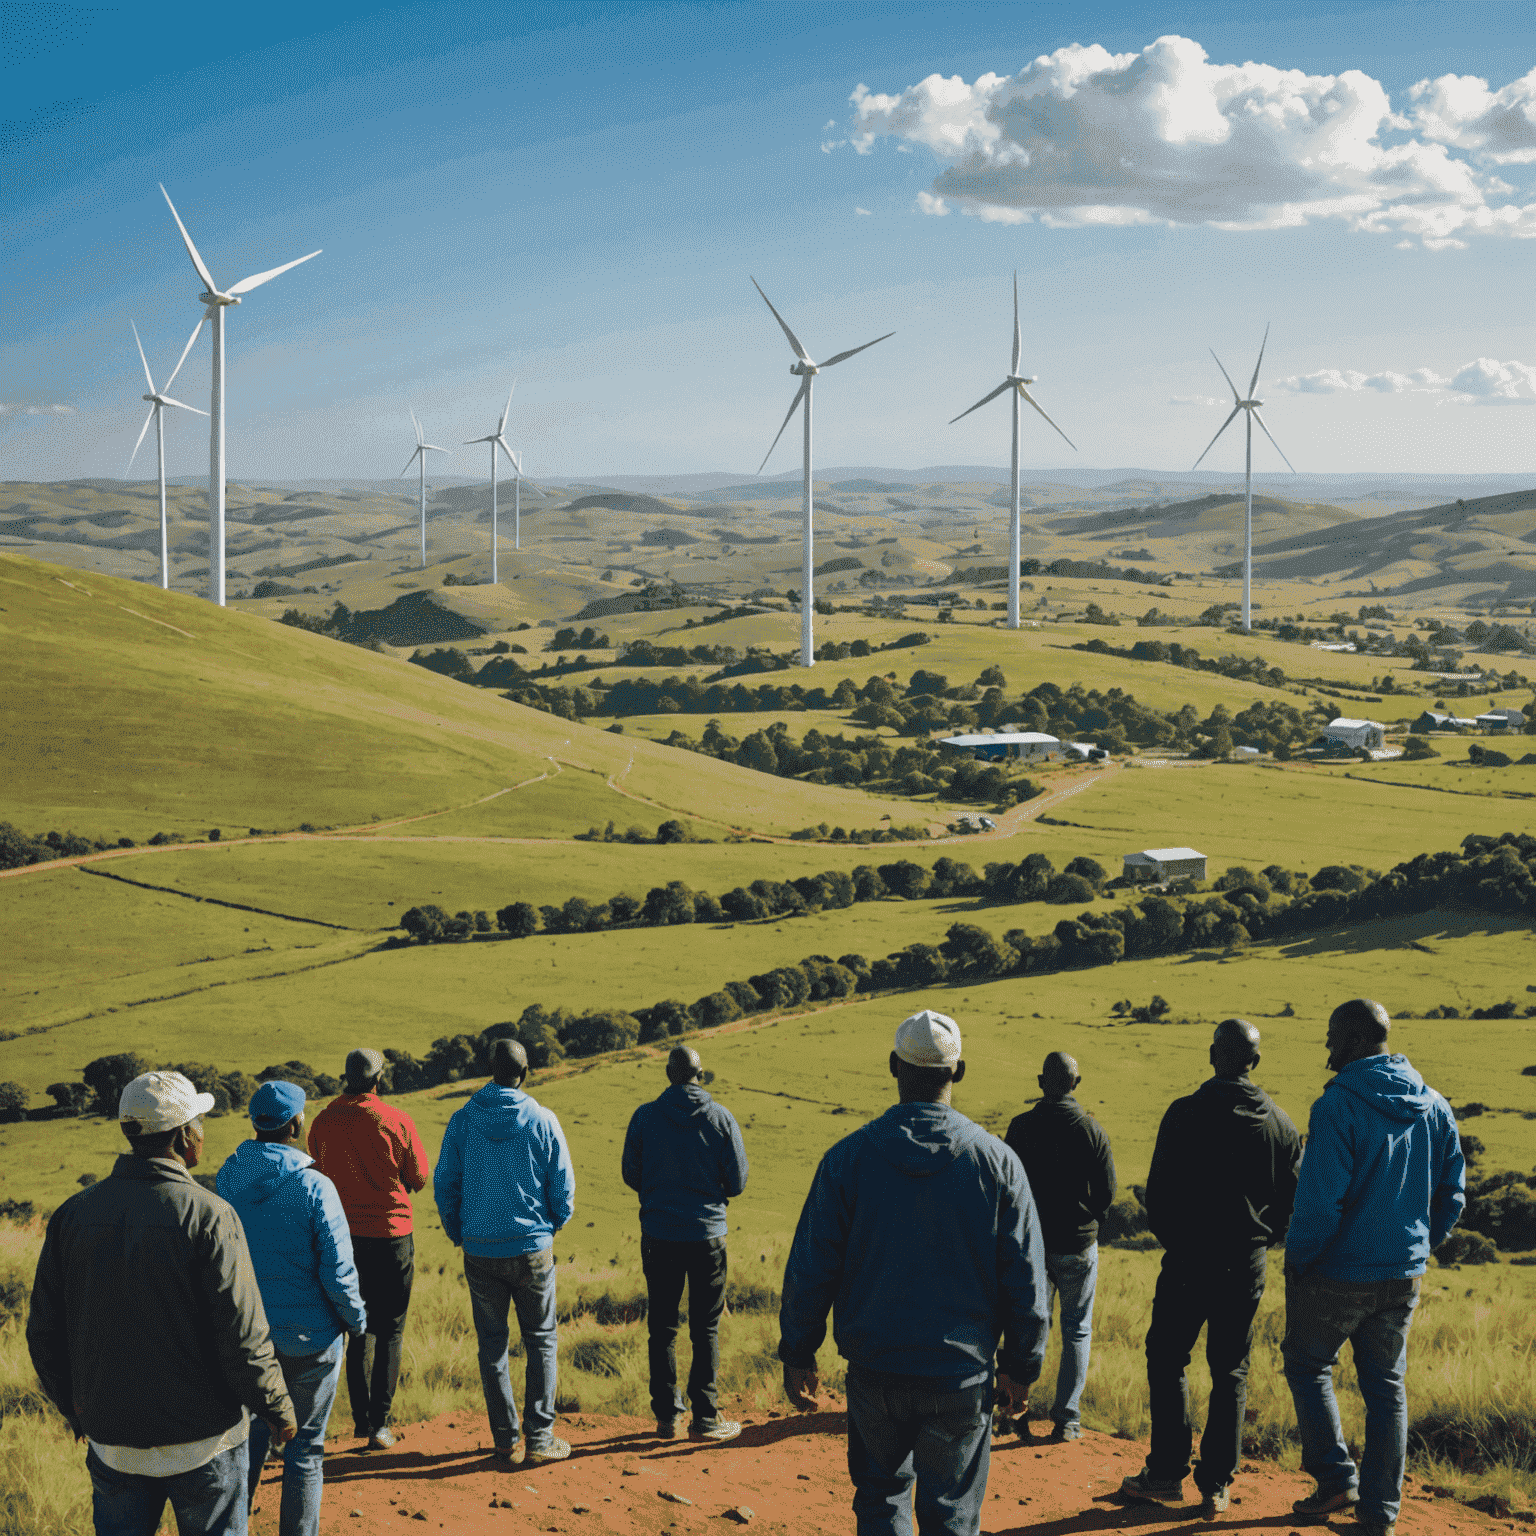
274, 1104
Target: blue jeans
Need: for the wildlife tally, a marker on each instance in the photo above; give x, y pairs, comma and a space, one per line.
901, 1434
312, 1381
527, 1283
1374, 1316
210, 1500
1073, 1277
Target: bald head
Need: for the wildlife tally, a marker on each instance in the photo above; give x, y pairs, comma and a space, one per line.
1234, 1048
509, 1063
1356, 1029
1059, 1076
683, 1065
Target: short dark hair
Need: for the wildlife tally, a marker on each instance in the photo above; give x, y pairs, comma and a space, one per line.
508, 1060
1364, 1019
154, 1143
924, 1079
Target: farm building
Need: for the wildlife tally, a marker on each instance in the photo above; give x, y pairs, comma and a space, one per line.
1165, 864
1501, 720
1433, 720
1084, 752
1355, 733
1029, 746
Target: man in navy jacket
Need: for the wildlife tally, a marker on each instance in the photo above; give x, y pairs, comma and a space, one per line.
919, 1234
684, 1156
1382, 1184
504, 1186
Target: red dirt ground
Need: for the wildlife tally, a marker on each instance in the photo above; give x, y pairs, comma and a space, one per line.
790, 1471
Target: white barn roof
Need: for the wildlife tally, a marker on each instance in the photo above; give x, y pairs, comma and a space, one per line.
1004, 739
1344, 723
1170, 855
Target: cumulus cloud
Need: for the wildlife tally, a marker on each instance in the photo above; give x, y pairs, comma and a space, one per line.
865, 211
1483, 381
17, 408
1084, 137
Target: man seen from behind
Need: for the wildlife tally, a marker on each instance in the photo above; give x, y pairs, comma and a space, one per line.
147, 1329
1382, 1184
684, 1155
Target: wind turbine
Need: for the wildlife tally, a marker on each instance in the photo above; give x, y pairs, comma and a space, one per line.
806, 371
1015, 386
159, 400
497, 439
423, 447
217, 301
1251, 406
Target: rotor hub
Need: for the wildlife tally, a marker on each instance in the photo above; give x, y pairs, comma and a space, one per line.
219, 300
800, 368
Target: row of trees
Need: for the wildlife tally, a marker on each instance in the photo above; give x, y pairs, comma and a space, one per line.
18, 849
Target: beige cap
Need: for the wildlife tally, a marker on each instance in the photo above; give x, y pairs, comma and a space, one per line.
161, 1101
928, 1039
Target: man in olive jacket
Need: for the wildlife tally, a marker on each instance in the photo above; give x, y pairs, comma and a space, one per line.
147, 1329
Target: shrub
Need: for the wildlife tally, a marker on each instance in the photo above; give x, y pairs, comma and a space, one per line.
1463, 1247
107, 1076
13, 1102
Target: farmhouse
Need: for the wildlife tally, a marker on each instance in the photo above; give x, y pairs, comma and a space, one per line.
1165, 864
1355, 733
1433, 720
1497, 721
1029, 746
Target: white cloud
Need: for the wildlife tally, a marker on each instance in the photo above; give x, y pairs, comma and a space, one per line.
1085, 137
864, 211
1200, 400
1484, 381
16, 408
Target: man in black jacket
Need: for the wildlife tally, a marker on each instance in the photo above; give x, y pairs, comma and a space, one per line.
1072, 1176
147, 1328
1219, 1194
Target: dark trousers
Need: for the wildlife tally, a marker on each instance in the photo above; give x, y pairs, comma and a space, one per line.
386, 1268
667, 1266
1222, 1293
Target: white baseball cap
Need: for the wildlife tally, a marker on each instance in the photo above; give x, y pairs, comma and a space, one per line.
161, 1101
928, 1039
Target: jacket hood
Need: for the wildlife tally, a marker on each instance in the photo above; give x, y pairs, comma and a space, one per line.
921, 1140
497, 1112
1243, 1097
256, 1168
683, 1102
1389, 1085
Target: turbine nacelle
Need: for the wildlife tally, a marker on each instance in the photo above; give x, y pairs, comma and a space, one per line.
217, 300
803, 368
1018, 378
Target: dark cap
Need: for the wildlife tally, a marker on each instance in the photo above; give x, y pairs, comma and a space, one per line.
363, 1065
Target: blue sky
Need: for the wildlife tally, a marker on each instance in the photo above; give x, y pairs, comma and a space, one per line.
575, 195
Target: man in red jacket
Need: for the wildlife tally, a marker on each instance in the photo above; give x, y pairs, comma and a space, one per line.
374, 1156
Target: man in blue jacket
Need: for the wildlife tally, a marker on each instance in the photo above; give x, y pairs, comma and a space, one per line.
504, 1186
301, 1249
1382, 1184
919, 1234
683, 1154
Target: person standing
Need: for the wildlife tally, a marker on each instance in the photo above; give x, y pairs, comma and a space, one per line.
373, 1155
1382, 1184
302, 1253
504, 1186
920, 1235
147, 1332
1072, 1177
684, 1156
1219, 1194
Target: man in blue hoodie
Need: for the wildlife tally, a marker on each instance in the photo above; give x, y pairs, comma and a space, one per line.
1382, 1184
683, 1154
504, 1186
919, 1234
301, 1249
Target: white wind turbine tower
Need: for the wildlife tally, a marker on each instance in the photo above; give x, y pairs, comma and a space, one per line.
216, 302
496, 439
806, 371
1015, 386
158, 401
1251, 406
423, 447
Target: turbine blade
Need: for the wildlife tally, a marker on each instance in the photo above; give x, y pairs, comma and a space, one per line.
794, 340
184, 351
1255, 384
142, 430
166, 400
1278, 449
197, 261
534, 484
420, 439
1227, 376
854, 351
805, 384
143, 360
408, 463
511, 457
501, 426
246, 284
434, 448
1016, 337
1029, 397
1227, 423
1000, 390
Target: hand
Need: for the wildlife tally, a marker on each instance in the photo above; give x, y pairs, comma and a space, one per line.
1011, 1394
282, 1430
801, 1384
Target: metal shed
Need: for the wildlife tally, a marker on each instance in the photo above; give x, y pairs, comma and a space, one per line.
1165, 864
